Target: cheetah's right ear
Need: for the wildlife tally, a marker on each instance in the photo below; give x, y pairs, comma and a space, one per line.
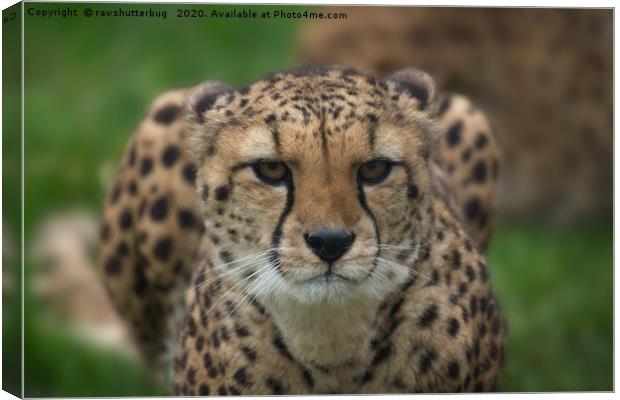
201, 99
419, 85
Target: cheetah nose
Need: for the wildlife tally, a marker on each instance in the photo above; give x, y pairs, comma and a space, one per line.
328, 244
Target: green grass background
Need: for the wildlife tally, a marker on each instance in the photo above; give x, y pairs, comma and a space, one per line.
88, 81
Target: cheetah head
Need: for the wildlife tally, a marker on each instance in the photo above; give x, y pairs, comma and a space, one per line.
314, 183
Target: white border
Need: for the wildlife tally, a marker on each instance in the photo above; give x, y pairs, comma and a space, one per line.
480, 3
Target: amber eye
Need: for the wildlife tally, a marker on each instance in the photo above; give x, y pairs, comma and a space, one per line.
374, 171
271, 172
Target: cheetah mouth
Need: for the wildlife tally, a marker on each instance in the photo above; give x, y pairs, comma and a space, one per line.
325, 278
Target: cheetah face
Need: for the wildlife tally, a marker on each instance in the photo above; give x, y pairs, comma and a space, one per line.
313, 183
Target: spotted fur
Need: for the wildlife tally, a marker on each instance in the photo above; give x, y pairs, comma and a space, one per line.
408, 308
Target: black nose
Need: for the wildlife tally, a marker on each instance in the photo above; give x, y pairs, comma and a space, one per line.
329, 244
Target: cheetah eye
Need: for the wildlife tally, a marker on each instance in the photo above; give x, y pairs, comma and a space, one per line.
271, 172
374, 171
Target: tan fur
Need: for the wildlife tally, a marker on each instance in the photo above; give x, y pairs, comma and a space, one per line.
260, 318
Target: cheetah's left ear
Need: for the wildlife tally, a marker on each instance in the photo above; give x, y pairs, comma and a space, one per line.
201, 98
418, 84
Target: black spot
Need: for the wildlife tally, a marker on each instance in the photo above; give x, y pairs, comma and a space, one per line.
125, 220
221, 193
462, 288
456, 259
167, 114
207, 361
215, 340
453, 326
116, 193
479, 387
426, 361
482, 329
453, 136
133, 188
483, 303
481, 141
225, 256
113, 266
467, 382
204, 193
203, 390
471, 275
191, 376
367, 377
270, 119
146, 166
275, 385
473, 305
434, 278
429, 315
472, 207
222, 391
162, 249
279, 344
192, 329
383, 354
104, 234
249, 353
466, 155
413, 191
186, 219
241, 377
453, 369
223, 330
189, 173
308, 378
480, 172
159, 210
122, 249
200, 343
170, 156
241, 331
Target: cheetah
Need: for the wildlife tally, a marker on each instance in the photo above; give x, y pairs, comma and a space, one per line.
318, 231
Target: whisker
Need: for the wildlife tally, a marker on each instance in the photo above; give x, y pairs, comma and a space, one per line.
222, 275
395, 264
250, 260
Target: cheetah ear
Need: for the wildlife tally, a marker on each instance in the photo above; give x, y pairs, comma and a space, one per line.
201, 98
419, 85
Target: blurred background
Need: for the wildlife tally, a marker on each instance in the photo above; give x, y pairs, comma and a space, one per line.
543, 76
